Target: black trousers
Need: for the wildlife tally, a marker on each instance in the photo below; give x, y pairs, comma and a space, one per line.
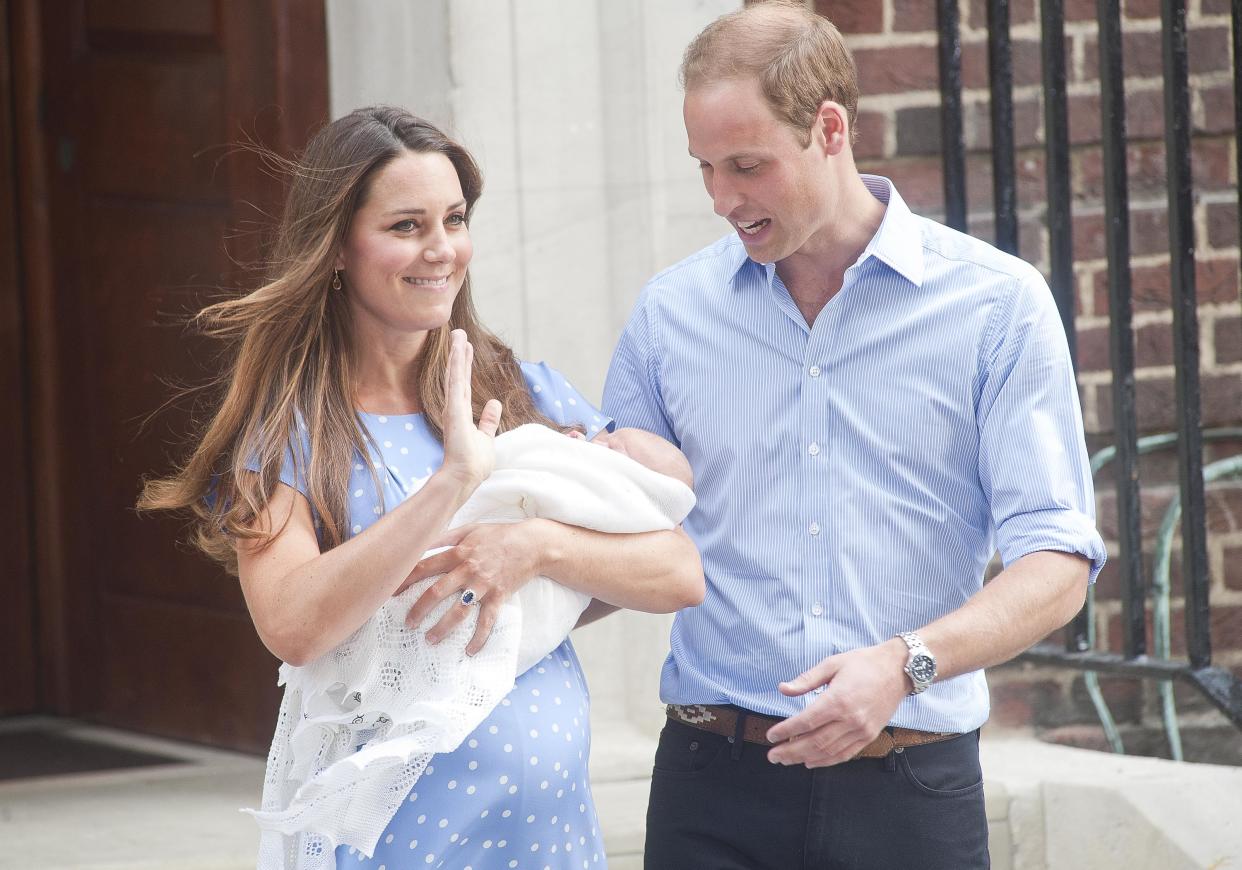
721, 805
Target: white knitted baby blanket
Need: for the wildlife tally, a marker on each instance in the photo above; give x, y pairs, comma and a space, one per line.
358, 726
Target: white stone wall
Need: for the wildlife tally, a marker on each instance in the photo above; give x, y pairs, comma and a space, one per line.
572, 109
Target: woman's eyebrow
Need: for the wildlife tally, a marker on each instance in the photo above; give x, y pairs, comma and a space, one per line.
459, 204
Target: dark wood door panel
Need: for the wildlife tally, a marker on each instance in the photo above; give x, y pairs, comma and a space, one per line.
18, 660
156, 264
187, 672
154, 128
191, 18
144, 99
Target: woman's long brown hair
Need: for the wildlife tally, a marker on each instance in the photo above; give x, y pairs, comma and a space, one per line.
291, 369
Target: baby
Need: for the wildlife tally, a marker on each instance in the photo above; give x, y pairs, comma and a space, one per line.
646, 448
583, 486
555, 608
358, 726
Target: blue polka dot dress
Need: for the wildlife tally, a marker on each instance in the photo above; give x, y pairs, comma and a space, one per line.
516, 793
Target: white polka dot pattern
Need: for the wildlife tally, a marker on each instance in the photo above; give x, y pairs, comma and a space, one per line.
474, 815
491, 809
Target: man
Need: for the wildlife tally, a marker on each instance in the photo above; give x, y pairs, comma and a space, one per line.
872, 404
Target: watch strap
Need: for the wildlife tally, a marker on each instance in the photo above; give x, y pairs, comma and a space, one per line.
917, 648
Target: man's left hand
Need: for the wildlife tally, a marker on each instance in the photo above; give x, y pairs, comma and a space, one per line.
493, 560
861, 691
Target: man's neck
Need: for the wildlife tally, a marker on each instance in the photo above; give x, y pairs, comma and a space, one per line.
814, 273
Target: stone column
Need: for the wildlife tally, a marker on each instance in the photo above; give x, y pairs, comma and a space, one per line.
573, 111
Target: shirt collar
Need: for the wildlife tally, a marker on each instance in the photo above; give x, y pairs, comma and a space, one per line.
898, 243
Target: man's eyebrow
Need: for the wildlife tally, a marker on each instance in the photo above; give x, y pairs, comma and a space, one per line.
459, 204
741, 155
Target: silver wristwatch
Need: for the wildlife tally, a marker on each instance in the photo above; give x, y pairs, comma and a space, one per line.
920, 663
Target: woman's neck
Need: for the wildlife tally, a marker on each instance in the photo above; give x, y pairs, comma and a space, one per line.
386, 371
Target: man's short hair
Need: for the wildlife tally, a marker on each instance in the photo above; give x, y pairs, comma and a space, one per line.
799, 59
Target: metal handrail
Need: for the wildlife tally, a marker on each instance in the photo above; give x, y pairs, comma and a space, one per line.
1220, 685
1161, 591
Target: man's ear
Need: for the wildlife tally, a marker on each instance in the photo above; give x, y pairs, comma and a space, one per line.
831, 129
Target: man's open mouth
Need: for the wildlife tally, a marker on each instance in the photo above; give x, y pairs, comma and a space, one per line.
752, 227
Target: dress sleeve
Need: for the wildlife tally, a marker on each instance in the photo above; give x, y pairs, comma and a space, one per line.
292, 467
556, 398
296, 461
1033, 462
632, 392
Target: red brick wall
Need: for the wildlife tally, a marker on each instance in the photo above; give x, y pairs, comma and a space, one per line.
895, 45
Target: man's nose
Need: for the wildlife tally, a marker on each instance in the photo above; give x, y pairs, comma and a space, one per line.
725, 197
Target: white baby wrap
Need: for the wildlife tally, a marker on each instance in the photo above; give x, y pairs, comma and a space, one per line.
358, 726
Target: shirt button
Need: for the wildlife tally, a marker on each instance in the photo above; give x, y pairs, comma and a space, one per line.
813, 371
817, 609
814, 529
813, 449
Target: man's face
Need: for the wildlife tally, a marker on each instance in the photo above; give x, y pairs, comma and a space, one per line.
773, 191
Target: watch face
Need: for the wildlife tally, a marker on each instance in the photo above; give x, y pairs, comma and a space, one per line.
923, 668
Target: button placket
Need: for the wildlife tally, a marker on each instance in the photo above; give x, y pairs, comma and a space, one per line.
814, 429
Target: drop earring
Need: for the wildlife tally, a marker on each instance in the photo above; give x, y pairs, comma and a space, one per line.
336, 279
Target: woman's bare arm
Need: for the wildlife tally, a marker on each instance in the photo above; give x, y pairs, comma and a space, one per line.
304, 602
657, 572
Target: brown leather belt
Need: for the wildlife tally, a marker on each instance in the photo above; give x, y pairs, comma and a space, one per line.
723, 720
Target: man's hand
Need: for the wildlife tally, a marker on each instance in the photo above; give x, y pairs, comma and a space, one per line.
493, 560
862, 689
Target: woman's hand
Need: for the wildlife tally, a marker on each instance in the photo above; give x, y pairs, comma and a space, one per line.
469, 452
492, 560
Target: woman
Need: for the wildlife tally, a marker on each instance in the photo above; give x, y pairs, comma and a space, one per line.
346, 440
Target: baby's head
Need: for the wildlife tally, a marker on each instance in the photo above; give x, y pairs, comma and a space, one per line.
648, 450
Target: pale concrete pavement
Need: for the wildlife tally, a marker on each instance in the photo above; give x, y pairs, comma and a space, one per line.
1048, 807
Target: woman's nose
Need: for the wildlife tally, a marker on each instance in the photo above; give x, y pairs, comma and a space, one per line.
439, 250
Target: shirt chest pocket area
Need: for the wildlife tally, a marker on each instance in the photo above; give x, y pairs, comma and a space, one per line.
741, 405
925, 435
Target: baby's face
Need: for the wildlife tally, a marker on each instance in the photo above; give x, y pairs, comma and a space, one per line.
604, 438
646, 449
612, 440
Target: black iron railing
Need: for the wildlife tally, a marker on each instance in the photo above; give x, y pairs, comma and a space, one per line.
1218, 684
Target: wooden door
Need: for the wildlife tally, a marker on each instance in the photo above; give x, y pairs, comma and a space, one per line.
149, 210
18, 671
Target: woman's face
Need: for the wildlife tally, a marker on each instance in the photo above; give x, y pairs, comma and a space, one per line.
408, 247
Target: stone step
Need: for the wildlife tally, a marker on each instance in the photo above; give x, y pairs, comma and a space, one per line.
621, 755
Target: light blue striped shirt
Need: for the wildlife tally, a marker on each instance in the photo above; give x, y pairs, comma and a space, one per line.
855, 477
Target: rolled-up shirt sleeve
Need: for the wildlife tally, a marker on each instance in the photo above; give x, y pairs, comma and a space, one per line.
1033, 463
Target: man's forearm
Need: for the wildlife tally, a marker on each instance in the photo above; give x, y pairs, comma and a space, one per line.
1024, 603
658, 572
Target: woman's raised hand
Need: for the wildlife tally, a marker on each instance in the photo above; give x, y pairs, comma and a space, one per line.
469, 453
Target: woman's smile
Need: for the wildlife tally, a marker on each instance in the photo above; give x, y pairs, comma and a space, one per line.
440, 282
